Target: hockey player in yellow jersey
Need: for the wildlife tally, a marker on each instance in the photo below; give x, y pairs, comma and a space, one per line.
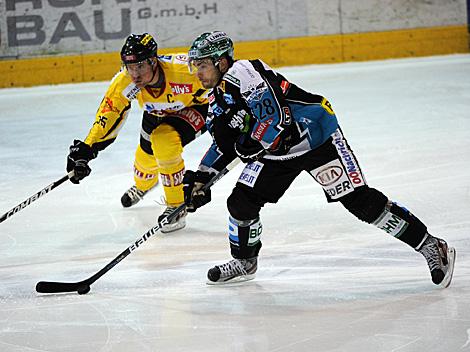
174, 110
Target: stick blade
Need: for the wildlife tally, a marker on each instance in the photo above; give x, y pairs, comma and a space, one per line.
57, 287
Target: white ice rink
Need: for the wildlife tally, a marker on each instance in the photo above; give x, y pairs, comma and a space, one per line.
326, 281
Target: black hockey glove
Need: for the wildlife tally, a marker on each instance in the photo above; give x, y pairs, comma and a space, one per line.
77, 160
248, 150
194, 196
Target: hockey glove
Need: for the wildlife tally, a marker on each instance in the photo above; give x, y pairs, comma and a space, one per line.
77, 160
249, 150
194, 196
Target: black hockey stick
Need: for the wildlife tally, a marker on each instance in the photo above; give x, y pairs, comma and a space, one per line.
35, 197
83, 287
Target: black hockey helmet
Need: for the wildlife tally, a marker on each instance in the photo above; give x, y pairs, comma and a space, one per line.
138, 48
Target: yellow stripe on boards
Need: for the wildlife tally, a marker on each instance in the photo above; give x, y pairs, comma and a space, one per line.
280, 52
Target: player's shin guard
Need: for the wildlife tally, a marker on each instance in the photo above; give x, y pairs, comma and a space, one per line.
373, 207
171, 175
168, 150
402, 224
245, 237
145, 170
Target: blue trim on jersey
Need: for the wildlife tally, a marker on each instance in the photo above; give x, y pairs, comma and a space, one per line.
211, 156
315, 123
266, 110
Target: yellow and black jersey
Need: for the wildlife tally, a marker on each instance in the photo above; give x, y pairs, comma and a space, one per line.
180, 89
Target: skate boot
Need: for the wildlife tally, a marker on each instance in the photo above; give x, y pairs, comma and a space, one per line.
176, 224
236, 270
440, 258
132, 196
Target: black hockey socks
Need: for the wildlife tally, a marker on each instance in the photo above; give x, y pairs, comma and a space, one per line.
244, 237
399, 222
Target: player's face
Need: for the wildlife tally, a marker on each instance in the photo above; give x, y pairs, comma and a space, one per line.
142, 73
206, 72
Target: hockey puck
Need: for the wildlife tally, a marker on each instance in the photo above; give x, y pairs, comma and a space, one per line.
83, 289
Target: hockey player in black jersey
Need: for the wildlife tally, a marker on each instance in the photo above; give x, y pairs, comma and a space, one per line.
280, 130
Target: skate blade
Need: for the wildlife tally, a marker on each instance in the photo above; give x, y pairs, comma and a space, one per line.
173, 227
236, 279
450, 269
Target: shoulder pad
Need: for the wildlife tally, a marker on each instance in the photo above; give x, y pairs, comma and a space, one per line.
251, 83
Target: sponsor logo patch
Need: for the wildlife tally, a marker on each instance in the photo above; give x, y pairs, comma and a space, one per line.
166, 58
285, 86
130, 92
130, 58
166, 180
352, 168
391, 224
143, 175
216, 36
181, 88
250, 173
327, 106
193, 117
261, 129
232, 79
178, 177
161, 109
329, 175
182, 57
287, 115
333, 178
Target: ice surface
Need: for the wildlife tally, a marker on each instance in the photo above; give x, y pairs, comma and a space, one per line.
326, 281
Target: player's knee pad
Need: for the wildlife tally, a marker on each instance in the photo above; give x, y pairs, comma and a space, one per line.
365, 203
245, 237
241, 205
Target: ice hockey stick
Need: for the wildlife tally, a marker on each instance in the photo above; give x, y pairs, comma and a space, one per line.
83, 287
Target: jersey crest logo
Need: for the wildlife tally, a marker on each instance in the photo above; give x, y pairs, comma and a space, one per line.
255, 93
108, 106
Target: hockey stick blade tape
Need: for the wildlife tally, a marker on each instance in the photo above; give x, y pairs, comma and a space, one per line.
61, 287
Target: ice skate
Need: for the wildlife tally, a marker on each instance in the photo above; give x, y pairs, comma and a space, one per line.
177, 223
440, 258
236, 270
132, 196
